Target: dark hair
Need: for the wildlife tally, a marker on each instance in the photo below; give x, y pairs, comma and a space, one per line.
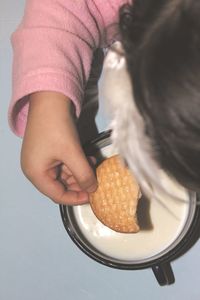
161, 39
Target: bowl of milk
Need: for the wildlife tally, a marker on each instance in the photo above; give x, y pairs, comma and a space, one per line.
168, 227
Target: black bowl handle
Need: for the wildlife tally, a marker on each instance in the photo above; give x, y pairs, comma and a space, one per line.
164, 273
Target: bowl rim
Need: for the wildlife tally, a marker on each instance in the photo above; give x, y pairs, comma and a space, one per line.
185, 239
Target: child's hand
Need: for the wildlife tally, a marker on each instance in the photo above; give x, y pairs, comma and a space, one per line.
52, 157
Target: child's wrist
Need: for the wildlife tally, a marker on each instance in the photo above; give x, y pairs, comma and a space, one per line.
47, 102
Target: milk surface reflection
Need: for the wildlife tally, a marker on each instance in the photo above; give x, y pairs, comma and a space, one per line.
164, 230
161, 222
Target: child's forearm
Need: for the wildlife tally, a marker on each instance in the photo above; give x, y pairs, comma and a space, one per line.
50, 105
50, 109
51, 146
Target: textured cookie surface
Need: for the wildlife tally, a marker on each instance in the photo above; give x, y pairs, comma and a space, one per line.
115, 201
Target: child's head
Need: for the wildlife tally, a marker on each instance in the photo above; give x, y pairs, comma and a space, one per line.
161, 40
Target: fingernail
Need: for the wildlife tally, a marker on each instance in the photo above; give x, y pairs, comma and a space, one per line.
92, 188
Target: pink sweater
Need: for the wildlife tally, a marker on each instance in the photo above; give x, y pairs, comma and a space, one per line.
53, 49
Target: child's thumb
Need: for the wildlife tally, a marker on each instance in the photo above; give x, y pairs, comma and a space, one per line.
83, 172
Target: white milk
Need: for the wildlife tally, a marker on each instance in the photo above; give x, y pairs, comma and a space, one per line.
167, 222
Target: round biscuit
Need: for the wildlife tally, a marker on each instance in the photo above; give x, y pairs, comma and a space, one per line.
115, 201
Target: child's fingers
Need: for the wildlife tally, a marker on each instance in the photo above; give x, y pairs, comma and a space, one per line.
81, 177
67, 179
92, 160
74, 187
82, 172
65, 169
56, 191
70, 182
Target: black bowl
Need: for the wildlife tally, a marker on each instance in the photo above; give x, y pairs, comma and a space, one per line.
159, 263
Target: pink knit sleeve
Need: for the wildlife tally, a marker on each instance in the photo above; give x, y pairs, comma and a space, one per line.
53, 49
